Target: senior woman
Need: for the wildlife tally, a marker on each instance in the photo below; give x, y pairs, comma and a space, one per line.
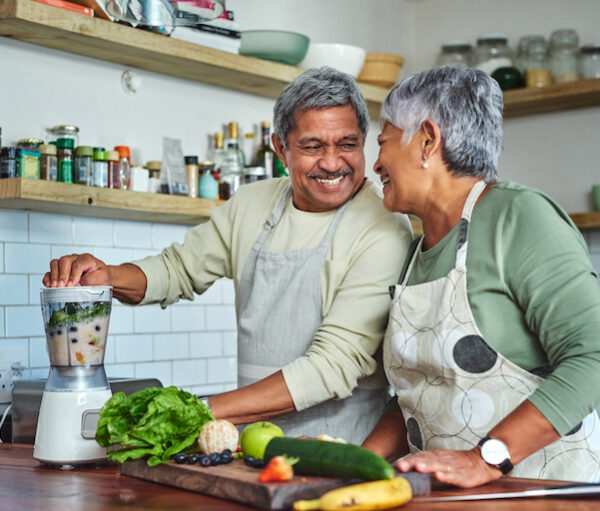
493, 342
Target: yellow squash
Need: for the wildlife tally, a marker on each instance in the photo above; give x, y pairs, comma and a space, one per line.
361, 497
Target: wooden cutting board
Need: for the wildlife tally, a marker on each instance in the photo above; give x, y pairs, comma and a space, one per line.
236, 481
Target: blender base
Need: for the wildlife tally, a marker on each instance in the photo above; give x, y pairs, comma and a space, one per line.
67, 425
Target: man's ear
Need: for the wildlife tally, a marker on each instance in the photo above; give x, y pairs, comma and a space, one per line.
279, 149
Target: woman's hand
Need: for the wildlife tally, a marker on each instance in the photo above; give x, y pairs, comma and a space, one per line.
460, 468
75, 269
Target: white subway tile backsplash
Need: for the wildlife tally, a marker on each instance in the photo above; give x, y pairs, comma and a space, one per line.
188, 318
165, 234
16, 350
220, 317
189, 372
13, 225
26, 258
14, 290
1, 257
133, 234
212, 295
228, 291
133, 348
151, 318
110, 350
23, 321
48, 228
142, 253
206, 344
113, 256
222, 370
230, 344
93, 231
120, 370
38, 353
121, 319
35, 286
160, 370
57, 251
171, 346
2, 333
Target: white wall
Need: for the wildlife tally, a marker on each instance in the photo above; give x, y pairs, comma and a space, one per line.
193, 344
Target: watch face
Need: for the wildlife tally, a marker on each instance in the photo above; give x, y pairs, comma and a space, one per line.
494, 452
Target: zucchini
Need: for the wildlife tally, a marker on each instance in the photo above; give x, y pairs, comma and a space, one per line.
330, 459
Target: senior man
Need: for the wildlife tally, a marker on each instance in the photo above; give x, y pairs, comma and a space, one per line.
311, 257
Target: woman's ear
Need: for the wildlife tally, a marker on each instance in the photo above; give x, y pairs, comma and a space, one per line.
432, 138
279, 149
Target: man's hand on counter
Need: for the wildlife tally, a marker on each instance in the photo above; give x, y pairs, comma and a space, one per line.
127, 280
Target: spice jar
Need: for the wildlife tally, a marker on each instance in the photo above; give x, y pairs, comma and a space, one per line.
65, 159
492, 52
9, 166
564, 53
522, 50
112, 159
153, 176
456, 53
30, 144
589, 61
208, 188
191, 169
28, 164
48, 162
82, 165
535, 64
99, 168
65, 131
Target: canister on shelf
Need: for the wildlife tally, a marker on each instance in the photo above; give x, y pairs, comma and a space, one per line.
82, 165
589, 61
9, 166
535, 64
492, 52
191, 169
29, 144
112, 159
65, 159
100, 168
208, 188
29, 164
564, 54
253, 174
48, 162
521, 49
65, 131
456, 53
153, 176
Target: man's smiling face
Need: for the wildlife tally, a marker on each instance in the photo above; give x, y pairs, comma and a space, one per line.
325, 157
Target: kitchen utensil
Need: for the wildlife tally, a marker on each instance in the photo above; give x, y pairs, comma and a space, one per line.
76, 323
381, 69
345, 57
276, 45
570, 490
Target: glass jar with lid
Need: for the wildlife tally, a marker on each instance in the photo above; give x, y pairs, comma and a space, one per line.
65, 131
48, 162
589, 61
564, 54
456, 53
29, 144
535, 64
521, 49
82, 165
65, 148
492, 52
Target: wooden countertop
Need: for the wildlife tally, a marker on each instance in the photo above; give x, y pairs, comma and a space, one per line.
27, 485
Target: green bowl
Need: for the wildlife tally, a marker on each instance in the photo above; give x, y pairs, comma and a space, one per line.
275, 45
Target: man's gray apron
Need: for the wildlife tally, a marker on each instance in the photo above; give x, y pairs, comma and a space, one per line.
453, 387
279, 311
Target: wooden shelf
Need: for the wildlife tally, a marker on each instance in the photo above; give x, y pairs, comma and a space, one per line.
79, 200
56, 28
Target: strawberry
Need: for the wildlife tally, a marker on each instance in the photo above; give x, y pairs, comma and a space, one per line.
278, 469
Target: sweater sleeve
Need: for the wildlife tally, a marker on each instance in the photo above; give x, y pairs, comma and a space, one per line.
343, 348
550, 275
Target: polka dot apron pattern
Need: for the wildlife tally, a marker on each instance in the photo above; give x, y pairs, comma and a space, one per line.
453, 387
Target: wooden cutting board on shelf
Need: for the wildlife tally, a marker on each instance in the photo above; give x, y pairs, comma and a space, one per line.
236, 481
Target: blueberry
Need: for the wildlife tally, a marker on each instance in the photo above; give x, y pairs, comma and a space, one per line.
226, 451
193, 459
73, 329
215, 458
226, 458
74, 341
205, 461
97, 327
180, 458
253, 462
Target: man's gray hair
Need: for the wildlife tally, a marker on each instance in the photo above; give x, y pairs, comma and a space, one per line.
319, 88
467, 106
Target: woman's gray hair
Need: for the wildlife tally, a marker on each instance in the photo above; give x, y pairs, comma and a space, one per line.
320, 88
467, 106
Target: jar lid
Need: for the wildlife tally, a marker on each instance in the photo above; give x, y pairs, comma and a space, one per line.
76, 294
456, 45
191, 160
30, 141
206, 163
112, 155
10, 152
492, 39
591, 49
254, 171
153, 165
123, 151
65, 143
84, 150
564, 37
99, 154
47, 149
265, 124
65, 129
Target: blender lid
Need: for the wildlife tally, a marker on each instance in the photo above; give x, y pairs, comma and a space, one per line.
77, 294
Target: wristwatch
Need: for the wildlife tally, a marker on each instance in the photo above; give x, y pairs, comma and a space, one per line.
494, 452
205, 401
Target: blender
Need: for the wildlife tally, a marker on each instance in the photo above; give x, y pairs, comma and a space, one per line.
76, 323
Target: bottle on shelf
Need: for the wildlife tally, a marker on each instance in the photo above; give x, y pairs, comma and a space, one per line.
265, 156
124, 166
100, 168
217, 153
65, 148
113, 169
232, 165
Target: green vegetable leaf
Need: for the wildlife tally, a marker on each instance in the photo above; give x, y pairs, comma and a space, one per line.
157, 422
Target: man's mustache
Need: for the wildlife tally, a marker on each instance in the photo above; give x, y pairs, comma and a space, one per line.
330, 175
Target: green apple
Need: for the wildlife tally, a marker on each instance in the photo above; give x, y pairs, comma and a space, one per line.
256, 436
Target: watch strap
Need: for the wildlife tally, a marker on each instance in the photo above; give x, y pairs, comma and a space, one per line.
504, 466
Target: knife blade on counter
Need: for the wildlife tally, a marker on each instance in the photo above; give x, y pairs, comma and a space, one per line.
567, 491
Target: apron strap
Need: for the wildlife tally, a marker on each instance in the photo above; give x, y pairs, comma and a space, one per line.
463, 229
325, 242
275, 216
412, 262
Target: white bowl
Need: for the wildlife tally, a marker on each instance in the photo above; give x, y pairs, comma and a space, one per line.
344, 57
